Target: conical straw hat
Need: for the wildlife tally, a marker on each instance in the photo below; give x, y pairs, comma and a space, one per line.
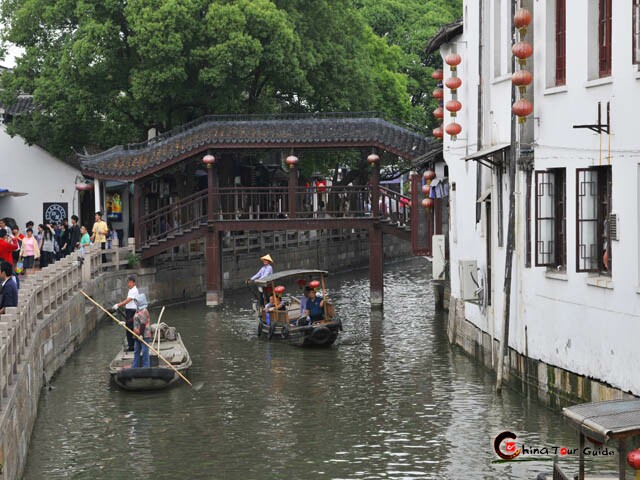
267, 257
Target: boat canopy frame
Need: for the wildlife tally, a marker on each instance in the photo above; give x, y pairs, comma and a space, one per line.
265, 281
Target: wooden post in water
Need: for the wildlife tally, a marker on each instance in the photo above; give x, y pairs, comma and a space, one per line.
213, 251
375, 236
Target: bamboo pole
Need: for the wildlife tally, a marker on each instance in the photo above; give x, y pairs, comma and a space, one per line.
137, 336
324, 298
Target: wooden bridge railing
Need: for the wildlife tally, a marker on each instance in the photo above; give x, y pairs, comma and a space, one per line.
41, 293
267, 203
395, 207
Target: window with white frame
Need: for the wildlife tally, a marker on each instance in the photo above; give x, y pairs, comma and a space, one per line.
593, 205
604, 38
550, 214
599, 38
501, 38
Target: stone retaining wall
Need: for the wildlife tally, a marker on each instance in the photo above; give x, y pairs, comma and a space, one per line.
554, 386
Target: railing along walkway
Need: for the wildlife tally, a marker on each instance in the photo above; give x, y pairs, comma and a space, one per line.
268, 203
41, 293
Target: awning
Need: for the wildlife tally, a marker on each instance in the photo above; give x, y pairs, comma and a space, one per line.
604, 420
492, 155
4, 192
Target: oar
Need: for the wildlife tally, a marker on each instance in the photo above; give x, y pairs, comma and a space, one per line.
137, 336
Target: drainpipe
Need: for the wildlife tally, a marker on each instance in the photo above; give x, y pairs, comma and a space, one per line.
513, 156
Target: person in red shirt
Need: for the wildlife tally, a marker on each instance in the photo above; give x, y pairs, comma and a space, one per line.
7, 246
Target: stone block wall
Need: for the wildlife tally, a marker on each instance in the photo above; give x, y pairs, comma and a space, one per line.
553, 386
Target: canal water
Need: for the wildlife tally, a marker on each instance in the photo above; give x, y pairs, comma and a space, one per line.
391, 400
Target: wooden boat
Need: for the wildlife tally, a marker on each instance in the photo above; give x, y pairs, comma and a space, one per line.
159, 375
284, 323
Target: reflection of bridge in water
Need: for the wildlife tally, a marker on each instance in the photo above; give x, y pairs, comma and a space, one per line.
223, 206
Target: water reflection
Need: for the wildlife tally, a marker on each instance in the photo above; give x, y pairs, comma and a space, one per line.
390, 400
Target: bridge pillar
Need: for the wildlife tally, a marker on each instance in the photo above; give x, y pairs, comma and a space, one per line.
292, 161
376, 261
213, 259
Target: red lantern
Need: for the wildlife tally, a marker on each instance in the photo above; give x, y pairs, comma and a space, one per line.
438, 93
314, 284
279, 289
522, 50
633, 459
521, 20
453, 60
437, 74
321, 186
522, 108
301, 282
427, 202
438, 112
426, 189
453, 106
438, 132
453, 83
208, 160
521, 79
292, 161
429, 175
453, 129
83, 187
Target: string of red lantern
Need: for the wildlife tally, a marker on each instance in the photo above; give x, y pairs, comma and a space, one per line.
522, 107
453, 83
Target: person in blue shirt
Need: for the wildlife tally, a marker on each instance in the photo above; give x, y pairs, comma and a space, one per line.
265, 271
9, 287
315, 307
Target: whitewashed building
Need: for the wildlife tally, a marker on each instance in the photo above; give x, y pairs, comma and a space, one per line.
48, 182
574, 315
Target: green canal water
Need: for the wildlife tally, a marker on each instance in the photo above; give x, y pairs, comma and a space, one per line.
391, 400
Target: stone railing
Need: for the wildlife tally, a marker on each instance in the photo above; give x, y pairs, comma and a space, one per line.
41, 293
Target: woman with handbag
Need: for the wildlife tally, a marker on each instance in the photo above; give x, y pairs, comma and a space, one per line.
29, 251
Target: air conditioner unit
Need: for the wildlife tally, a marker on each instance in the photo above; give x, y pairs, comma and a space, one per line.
468, 279
438, 268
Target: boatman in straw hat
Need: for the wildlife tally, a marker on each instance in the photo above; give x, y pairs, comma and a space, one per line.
265, 271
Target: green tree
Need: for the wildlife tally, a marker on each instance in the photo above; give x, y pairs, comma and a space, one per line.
103, 72
409, 24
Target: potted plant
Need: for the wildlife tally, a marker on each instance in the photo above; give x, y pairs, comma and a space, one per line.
133, 260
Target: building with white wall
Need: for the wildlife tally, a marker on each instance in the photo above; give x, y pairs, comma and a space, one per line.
49, 183
575, 296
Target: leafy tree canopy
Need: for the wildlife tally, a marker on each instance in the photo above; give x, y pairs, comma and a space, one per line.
409, 24
104, 71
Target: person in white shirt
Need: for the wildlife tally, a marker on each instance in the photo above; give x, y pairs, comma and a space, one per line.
130, 306
265, 271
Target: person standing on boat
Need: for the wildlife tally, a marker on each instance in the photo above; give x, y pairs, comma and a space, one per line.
142, 328
265, 271
130, 309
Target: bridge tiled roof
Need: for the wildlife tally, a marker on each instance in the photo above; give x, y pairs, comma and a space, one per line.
222, 133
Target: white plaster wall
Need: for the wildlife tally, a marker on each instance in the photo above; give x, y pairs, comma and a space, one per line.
560, 319
32, 170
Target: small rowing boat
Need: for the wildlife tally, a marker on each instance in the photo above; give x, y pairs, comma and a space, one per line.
159, 375
286, 320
